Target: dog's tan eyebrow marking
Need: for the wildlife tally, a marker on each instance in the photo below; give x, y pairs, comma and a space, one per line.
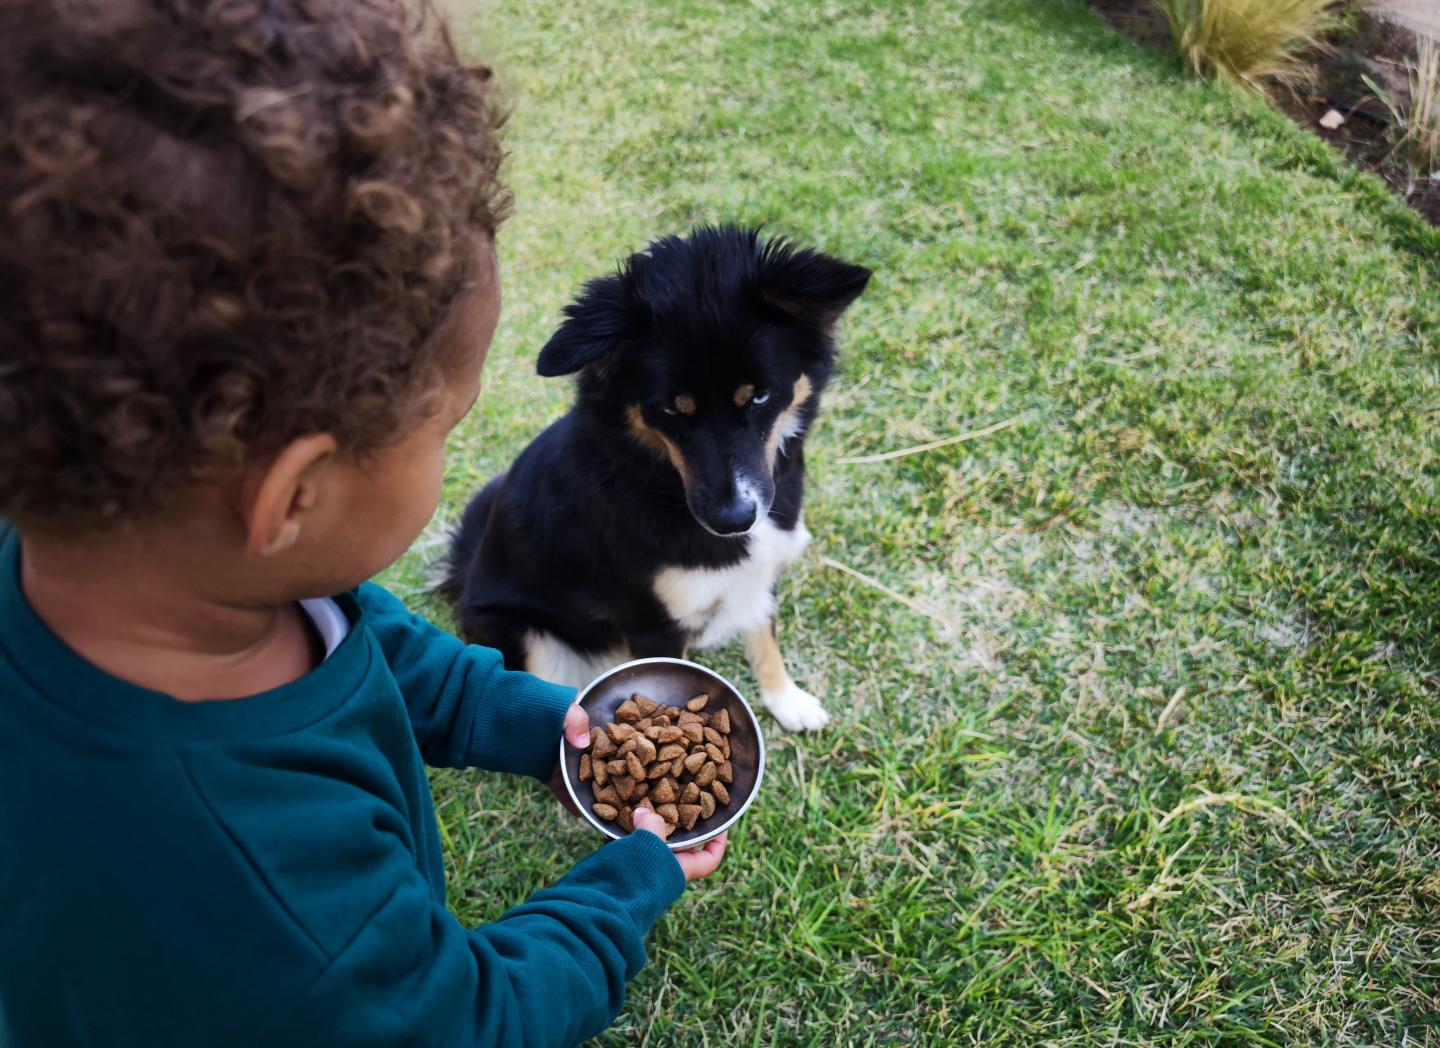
743, 394
685, 404
656, 441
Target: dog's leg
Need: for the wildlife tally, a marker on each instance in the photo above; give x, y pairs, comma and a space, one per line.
795, 708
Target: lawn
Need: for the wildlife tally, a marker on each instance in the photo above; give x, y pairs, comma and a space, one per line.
1139, 743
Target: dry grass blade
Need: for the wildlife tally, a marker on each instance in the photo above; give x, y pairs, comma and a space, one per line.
944, 442
1421, 117
1247, 41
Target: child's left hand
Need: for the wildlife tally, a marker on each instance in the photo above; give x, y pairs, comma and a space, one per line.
577, 733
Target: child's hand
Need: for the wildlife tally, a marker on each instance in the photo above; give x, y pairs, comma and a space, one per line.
577, 727
697, 862
577, 733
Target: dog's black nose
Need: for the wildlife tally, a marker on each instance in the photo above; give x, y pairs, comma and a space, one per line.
731, 518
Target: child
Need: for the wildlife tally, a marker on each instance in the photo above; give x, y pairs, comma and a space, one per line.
247, 282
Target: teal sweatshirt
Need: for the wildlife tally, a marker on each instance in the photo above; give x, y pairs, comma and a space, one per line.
267, 871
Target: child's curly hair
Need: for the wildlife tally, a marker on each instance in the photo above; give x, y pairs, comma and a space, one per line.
223, 224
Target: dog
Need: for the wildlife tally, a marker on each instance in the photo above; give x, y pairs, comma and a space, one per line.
659, 513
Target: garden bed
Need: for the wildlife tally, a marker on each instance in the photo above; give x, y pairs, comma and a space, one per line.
1373, 47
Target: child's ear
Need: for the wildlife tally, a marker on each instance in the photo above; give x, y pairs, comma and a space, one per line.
276, 495
597, 324
809, 286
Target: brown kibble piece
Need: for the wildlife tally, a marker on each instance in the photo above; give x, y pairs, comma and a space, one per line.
713, 737
670, 751
677, 767
663, 793
585, 775
625, 821
725, 772
697, 704
689, 718
722, 795
670, 735
602, 773
616, 767
600, 744
633, 765
706, 775
619, 732
644, 749
645, 804
707, 805
605, 811
693, 733
689, 816
725, 746
647, 706
721, 720
653, 733
657, 770
713, 752
643, 723
694, 762
668, 812
661, 720
624, 787
690, 794
642, 789
628, 711
627, 747
608, 795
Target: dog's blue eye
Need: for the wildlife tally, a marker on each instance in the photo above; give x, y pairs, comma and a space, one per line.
761, 395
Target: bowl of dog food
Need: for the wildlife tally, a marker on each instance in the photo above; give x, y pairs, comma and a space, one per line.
671, 736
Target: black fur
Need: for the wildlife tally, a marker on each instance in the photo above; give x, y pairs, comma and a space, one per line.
570, 538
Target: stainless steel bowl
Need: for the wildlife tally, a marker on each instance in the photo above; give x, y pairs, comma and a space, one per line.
672, 682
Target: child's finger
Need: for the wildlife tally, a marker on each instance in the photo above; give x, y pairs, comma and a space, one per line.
645, 819
702, 862
577, 727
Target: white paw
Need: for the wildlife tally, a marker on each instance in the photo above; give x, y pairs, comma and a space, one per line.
796, 710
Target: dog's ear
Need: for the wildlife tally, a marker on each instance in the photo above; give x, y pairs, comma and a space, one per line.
808, 286
596, 324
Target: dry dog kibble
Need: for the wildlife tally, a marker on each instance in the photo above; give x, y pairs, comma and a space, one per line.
673, 760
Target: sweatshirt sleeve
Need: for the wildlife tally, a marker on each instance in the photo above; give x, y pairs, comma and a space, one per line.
550, 972
467, 710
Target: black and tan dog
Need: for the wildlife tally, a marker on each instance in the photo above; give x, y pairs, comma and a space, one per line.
660, 511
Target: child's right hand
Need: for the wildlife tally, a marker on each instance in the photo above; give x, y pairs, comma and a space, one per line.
697, 862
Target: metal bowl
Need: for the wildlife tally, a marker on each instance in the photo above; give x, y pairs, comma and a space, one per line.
672, 682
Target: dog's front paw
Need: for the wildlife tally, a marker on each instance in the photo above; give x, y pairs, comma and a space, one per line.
795, 709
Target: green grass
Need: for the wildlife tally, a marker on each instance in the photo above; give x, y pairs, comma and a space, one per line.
1153, 754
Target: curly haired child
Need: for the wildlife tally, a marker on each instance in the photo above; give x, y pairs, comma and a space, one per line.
247, 283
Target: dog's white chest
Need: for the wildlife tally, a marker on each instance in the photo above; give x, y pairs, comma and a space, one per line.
714, 604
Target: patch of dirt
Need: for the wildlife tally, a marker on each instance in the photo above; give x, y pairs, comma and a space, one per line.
1373, 48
